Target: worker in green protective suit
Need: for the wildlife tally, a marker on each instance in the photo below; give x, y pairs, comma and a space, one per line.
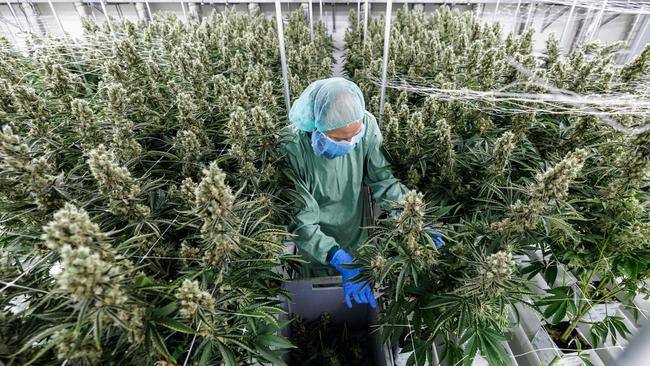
333, 146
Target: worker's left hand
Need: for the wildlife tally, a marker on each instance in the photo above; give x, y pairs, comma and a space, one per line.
438, 239
361, 292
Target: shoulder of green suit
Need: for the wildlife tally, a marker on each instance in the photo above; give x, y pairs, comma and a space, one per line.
372, 128
290, 139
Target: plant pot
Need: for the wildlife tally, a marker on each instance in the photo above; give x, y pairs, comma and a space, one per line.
312, 297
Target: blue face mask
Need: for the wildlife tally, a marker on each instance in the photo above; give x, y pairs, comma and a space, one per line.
330, 149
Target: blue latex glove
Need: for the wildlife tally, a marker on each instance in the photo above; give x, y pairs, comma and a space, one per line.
360, 291
437, 237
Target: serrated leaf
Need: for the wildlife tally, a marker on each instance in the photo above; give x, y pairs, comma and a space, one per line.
175, 325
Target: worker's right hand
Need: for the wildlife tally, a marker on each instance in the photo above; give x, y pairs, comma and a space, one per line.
361, 292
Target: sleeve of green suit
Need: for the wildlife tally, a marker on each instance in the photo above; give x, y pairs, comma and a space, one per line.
305, 224
379, 175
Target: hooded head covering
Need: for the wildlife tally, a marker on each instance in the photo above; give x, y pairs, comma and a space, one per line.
328, 104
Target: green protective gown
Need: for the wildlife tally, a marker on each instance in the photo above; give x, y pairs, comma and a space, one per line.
335, 208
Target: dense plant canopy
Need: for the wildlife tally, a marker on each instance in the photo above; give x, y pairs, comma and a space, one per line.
140, 191
502, 178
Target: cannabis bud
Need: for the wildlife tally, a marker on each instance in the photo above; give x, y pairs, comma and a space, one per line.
413, 208
192, 298
213, 196
553, 184
498, 266
72, 226
86, 275
503, 147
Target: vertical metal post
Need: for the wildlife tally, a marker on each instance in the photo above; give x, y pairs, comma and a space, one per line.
568, 21
141, 11
642, 39
514, 28
33, 18
531, 6
320, 9
13, 13
496, 11
595, 25
311, 21
146, 2
184, 12
56, 16
283, 58
358, 14
384, 67
366, 6
108, 20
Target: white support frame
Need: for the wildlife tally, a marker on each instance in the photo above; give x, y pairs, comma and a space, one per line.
184, 12
283, 56
108, 19
146, 3
311, 21
568, 21
365, 20
58, 20
384, 66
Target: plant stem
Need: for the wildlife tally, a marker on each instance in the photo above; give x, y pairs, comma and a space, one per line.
584, 303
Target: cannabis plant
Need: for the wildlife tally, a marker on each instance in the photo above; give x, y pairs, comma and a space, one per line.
549, 181
140, 195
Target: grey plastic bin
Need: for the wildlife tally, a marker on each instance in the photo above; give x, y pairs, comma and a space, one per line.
314, 296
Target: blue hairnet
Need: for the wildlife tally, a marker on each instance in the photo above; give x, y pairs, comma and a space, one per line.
328, 104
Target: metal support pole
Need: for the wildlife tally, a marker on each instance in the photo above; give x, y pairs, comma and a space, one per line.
366, 6
320, 9
568, 21
595, 25
283, 58
531, 6
141, 10
33, 18
13, 13
642, 39
496, 11
358, 14
184, 12
56, 16
333, 4
384, 67
514, 28
108, 20
311, 21
146, 2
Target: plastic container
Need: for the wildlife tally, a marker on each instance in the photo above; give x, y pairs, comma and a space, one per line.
312, 297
